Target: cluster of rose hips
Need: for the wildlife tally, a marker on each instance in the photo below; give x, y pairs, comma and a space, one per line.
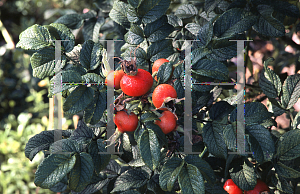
139, 85
232, 188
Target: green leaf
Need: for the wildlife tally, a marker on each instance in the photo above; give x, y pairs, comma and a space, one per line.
211, 68
201, 88
92, 78
112, 168
65, 145
60, 186
288, 146
164, 72
88, 29
140, 54
193, 28
213, 137
130, 179
200, 53
269, 81
135, 3
243, 175
158, 30
119, 13
208, 16
88, 15
43, 63
161, 136
290, 91
94, 111
255, 113
65, 34
230, 136
204, 35
296, 121
100, 160
81, 175
160, 49
148, 116
223, 49
135, 35
179, 89
190, 180
281, 184
261, 143
169, 173
73, 21
186, 11
220, 109
79, 69
151, 10
174, 20
133, 16
82, 132
204, 168
92, 27
68, 77
41, 141
53, 169
153, 184
234, 21
286, 171
78, 100
178, 71
34, 38
267, 25
90, 55
211, 5
94, 187
150, 149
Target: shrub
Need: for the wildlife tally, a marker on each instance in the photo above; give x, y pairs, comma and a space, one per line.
152, 162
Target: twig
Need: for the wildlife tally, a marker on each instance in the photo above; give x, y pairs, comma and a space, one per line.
6, 36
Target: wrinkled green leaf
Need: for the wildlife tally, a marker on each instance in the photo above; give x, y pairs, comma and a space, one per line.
267, 25
78, 100
186, 11
130, 179
190, 180
169, 173
150, 149
73, 21
53, 169
81, 175
41, 141
290, 91
43, 63
34, 38
288, 146
269, 81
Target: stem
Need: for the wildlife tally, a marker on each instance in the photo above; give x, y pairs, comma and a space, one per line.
203, 152
7, 37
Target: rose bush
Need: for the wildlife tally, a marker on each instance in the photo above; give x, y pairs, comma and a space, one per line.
151, 156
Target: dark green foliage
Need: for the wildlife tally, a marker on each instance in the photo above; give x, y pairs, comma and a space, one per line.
149, 161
